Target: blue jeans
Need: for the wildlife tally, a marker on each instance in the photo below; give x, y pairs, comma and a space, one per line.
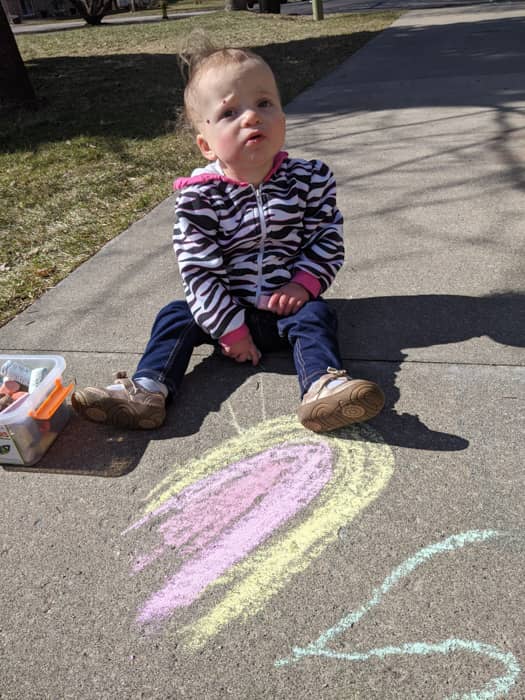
311, 333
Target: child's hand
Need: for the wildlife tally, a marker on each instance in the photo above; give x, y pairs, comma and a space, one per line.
242, 351
288, 299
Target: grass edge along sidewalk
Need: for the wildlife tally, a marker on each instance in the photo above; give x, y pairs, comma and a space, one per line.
104, 146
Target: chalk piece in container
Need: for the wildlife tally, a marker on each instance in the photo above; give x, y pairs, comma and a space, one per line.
5, 401
37, 375
17, 371
15, 403
11, 387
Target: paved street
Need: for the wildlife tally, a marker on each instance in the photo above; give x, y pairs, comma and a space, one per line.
231, 554
65, 24
331, 6
291, 8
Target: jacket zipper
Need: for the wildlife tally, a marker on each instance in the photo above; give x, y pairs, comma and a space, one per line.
260, 254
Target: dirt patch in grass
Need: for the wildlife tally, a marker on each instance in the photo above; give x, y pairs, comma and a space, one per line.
103, 148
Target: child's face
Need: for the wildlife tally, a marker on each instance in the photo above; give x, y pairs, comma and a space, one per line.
241, 121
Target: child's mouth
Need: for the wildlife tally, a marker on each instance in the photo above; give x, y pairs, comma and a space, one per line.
254, 139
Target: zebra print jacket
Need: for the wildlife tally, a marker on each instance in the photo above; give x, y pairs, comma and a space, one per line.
236, 244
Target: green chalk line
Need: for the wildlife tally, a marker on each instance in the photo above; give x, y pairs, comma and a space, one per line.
495, 688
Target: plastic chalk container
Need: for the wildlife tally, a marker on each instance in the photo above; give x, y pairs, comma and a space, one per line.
32, 422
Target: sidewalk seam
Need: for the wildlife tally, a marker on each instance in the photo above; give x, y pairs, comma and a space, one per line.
280, 355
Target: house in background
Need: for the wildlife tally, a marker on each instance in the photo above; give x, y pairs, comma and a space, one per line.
18, 10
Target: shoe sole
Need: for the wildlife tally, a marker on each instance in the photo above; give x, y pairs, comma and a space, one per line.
111, 411
357, 401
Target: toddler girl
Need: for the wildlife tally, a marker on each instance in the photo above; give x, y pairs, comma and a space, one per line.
258, 239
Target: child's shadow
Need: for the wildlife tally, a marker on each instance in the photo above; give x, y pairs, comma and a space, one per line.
374, 331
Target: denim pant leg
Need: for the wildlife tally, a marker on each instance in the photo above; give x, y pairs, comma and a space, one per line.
173, 337
312, 333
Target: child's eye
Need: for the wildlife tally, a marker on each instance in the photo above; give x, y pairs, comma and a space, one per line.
227, 114
264, 103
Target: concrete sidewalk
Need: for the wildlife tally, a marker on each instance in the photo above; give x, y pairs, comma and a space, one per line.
398, 544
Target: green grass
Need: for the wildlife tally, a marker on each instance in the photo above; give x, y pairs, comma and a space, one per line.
104, 148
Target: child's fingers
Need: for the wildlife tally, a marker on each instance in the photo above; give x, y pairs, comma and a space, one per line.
282, 307
252, 357
274, 301
284, 302
292, 306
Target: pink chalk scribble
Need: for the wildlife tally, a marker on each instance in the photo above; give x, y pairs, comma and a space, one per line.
220, 519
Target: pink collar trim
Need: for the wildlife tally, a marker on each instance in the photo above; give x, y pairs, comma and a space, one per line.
182, 182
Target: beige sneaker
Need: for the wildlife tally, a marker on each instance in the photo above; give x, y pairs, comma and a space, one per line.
326, 407
131, 407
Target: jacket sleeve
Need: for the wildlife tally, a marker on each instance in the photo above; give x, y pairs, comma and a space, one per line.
322, 254
201, 265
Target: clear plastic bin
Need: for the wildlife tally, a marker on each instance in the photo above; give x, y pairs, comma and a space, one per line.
31, 423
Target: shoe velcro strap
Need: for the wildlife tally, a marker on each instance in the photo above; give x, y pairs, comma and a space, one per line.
327, 378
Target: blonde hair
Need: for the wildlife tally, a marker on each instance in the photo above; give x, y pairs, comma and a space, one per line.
201, 55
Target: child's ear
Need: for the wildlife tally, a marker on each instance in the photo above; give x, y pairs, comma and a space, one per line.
205, 148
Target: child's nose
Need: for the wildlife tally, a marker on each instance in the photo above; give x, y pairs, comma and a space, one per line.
250, 116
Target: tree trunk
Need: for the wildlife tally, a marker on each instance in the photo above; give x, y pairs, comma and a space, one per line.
93, 10
15, 85
236, 5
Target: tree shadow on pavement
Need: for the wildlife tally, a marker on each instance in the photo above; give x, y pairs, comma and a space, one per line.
140, 95
479, 59
381, 329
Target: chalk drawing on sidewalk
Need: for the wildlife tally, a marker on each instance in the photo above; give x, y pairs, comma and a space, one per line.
254, 512
495, 688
